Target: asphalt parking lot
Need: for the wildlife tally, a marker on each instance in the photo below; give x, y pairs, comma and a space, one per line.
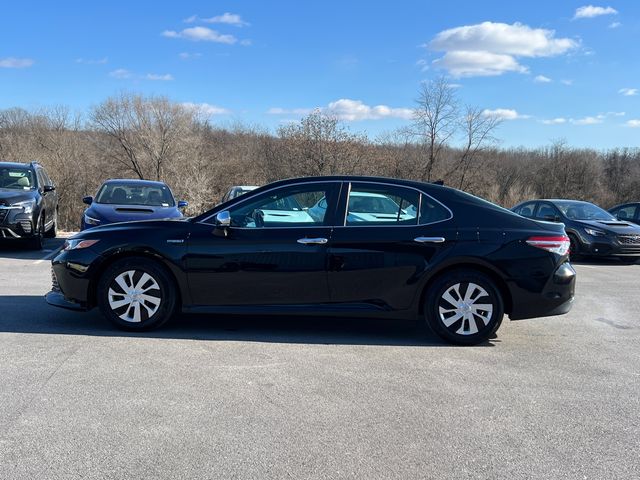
261, 398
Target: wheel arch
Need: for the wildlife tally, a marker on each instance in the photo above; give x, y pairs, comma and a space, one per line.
111, 259
469, 264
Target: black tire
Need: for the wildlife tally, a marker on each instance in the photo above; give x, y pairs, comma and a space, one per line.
574, 247
53, 230
109, 293
464, 330
35, 242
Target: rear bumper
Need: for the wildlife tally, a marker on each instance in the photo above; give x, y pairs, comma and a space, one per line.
555, 298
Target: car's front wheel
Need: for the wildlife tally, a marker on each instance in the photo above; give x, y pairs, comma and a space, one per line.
136, 294
464, 307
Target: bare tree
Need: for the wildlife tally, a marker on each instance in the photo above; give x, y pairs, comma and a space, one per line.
478, 128
435, 119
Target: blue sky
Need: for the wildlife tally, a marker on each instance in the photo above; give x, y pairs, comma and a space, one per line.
552, 69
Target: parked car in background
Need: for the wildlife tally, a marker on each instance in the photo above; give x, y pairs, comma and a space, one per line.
128, 200
628, 212
28, 203
592, 230
236, 191
370, 207
458, 261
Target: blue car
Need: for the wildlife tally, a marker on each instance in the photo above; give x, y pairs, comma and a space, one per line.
130, 200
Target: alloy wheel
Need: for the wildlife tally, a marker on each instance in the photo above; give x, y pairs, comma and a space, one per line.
134, 296
465, 308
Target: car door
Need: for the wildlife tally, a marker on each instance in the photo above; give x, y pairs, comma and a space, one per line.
390, 234
46, 197
547, 212
273, 253
626, 213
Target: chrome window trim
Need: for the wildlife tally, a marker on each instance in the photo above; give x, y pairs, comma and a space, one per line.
240, 202
346, 209
344, 225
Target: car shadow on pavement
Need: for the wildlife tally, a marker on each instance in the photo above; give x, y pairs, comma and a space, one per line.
20, 250
603, 261
31, 315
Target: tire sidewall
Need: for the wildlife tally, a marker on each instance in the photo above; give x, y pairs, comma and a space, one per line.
158, 272
440, 286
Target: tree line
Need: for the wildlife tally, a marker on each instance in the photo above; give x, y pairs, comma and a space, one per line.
149, 137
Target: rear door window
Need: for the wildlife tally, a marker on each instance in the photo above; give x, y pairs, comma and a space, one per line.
526, 209
372, 204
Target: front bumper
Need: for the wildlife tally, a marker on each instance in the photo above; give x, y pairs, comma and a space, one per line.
554, 298
610, 246
14, 226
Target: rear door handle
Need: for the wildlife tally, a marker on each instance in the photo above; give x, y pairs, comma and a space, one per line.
312, 241
429, 239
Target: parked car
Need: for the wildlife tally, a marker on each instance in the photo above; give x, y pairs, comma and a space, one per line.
628, 212
460, 262
235, 192
130, 200
592, 230
28, 203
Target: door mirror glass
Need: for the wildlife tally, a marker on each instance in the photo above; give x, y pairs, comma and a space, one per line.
183, 204
87, 200
223, 219
48, 188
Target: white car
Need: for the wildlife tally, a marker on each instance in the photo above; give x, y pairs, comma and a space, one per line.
368, 208
236, 191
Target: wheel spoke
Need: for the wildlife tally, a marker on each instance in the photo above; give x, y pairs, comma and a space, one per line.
452, 319
449, 298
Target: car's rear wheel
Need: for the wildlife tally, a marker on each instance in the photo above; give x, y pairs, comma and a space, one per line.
464, 307
136, 294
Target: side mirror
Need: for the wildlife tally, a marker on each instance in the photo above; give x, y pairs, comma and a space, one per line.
87, 200
183, 204
223, 219
48, 188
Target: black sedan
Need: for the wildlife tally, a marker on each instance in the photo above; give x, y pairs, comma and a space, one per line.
628, 212
454, 259
592, 230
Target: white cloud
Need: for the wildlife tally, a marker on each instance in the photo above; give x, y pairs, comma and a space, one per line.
355, 110
189, 56
89, 61
492, 48
588, 120
156, 76
201, 34
289, 111
628, 92
567, 82
504, 114
206, 108
615, 25
635, 123
226, 18
350, 110
589, 11
541, 79
121, 73
462, 63
555, 121
12, 62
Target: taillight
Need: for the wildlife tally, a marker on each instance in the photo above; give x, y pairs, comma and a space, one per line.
557, 244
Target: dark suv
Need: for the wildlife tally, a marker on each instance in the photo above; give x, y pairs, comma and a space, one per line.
28, 203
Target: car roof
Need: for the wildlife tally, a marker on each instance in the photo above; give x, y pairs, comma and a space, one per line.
356, 178
15, 165
133, 181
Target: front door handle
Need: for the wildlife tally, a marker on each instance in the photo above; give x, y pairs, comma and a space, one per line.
312, 241
429, 239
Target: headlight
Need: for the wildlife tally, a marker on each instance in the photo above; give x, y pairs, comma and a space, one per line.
77, 244
595, 233
27, 205
91, 221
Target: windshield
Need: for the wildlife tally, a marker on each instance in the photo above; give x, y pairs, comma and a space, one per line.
135, 194
16, 178
583, 211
